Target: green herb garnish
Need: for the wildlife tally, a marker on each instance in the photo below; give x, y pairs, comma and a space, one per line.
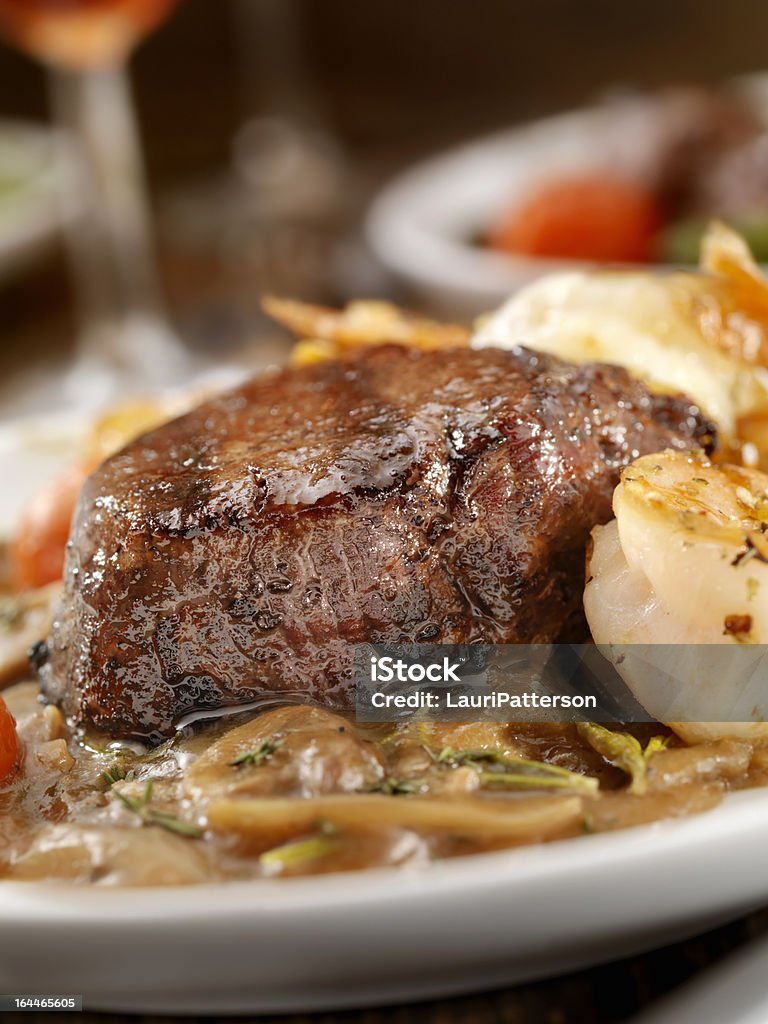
298, 852
259, 754
624, 751
141, 807
654, 745
515, 771
116, 773
533, 780
398, 787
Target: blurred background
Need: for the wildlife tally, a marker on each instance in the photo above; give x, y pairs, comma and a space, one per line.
268, 126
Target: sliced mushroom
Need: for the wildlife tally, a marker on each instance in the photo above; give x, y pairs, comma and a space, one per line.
300, 751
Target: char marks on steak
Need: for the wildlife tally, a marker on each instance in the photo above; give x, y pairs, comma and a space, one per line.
398, 496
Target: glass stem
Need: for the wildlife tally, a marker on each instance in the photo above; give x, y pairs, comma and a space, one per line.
110, 243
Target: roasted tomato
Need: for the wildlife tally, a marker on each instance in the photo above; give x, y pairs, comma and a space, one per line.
10, 745
585, 217
37, 554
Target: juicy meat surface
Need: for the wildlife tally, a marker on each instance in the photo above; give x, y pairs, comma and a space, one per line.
399, 496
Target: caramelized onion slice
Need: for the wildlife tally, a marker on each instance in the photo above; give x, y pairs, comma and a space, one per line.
524, 819
616, 810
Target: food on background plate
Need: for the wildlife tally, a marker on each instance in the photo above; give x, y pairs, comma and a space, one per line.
418, 483
598, 217
683, 156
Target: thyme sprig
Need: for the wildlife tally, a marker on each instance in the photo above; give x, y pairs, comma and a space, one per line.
116, 773
263, 752
398, 787
141, 806
515, 771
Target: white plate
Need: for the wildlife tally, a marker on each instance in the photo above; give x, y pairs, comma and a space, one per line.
371, 937
386, 936
420, 224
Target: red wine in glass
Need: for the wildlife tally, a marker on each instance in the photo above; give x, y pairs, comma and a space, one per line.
80, 33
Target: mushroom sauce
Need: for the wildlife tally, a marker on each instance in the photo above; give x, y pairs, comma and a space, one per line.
298, 790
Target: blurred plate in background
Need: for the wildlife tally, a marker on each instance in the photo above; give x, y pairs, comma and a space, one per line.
424, 225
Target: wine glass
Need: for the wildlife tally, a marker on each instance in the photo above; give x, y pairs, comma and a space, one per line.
125, 341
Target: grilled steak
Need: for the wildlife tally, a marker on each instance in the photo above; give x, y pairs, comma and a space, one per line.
401, 495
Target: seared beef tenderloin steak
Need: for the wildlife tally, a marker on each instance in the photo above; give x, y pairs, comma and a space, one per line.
401, 495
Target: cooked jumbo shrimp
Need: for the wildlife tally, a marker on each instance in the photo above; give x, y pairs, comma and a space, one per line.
685, 562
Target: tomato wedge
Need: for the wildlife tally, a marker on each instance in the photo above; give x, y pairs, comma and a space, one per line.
10, 745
